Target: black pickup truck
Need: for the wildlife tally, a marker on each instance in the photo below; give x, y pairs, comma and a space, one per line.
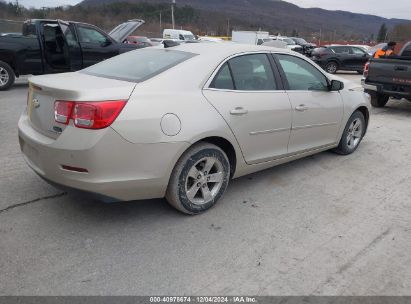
55, 46
388, 77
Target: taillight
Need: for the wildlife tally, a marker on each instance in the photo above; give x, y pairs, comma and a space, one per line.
62, 111
366, 69
88, 115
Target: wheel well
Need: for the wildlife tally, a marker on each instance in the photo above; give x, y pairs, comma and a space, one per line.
228, 149
366, 114
334, 61
9, 60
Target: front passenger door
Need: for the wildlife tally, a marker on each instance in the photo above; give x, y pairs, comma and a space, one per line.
95, 45
247, 95
317, 112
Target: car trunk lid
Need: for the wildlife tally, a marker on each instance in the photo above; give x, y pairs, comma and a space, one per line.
45, 90
122, 31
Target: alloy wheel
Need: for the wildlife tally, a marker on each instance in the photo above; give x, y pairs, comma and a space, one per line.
204, 180
4, 76
355, 132
332, 68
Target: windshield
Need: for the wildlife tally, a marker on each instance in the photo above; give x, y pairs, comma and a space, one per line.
139, 65
189, 37
300, 40
289, 41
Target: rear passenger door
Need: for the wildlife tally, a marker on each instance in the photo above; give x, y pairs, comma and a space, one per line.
248, 94
343, 55
317, 112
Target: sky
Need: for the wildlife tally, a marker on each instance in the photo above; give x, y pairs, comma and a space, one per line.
388, 9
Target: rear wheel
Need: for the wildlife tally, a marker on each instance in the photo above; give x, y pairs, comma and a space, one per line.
199, 179
331, 67
6, 76
353, 134
379, 100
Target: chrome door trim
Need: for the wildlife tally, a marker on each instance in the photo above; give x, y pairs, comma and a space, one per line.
315, 126
269, 131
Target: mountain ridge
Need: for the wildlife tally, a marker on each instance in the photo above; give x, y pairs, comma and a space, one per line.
282, 16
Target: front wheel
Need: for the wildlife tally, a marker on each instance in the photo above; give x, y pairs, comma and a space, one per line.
379, 100
199, 179
353, 134
6, 76
331, 67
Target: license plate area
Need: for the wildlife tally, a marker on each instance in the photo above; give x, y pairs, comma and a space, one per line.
30, 152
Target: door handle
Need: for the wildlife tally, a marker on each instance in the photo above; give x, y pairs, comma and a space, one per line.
239, 111
301, 108
401, 68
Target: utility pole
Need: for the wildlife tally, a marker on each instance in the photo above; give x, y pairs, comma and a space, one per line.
321, 32
228, 27
173, 3
17, 7
161, 27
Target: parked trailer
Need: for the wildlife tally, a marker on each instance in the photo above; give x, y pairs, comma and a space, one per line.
250, 37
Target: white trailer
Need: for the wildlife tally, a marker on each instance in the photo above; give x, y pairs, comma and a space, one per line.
250, 37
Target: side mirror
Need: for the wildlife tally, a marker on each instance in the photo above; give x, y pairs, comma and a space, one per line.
106, 43
336, 85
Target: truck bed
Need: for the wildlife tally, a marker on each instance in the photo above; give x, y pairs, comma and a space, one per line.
392, 75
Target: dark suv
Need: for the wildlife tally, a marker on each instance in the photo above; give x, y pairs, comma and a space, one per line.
346, 58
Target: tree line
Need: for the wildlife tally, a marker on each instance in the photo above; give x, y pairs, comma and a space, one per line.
158, 16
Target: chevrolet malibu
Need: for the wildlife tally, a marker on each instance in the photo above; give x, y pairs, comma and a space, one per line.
181, 122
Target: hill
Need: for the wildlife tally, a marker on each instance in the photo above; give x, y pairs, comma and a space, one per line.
279, 16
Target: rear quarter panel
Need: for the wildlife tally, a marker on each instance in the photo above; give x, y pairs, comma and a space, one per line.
141, 119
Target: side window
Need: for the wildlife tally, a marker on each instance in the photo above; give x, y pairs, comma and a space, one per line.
29, 30
252, 73
90, 35
357, 51
407, 51
341, 50
301, 75
68, 33
223, 79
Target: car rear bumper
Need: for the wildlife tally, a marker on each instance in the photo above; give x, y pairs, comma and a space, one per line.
116, 168
391, 90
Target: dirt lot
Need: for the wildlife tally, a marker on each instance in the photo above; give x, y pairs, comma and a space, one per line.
324, 225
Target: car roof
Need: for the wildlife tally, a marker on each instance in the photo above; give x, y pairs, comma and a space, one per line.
225, 49
56, 20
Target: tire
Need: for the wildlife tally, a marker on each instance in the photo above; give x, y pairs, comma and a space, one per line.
331, 67
379, 100
190, 174
360, 72
353, 134
7, 76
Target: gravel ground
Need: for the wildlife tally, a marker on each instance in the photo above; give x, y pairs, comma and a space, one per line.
323, 225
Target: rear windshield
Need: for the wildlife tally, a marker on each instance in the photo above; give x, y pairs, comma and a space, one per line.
139, 65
